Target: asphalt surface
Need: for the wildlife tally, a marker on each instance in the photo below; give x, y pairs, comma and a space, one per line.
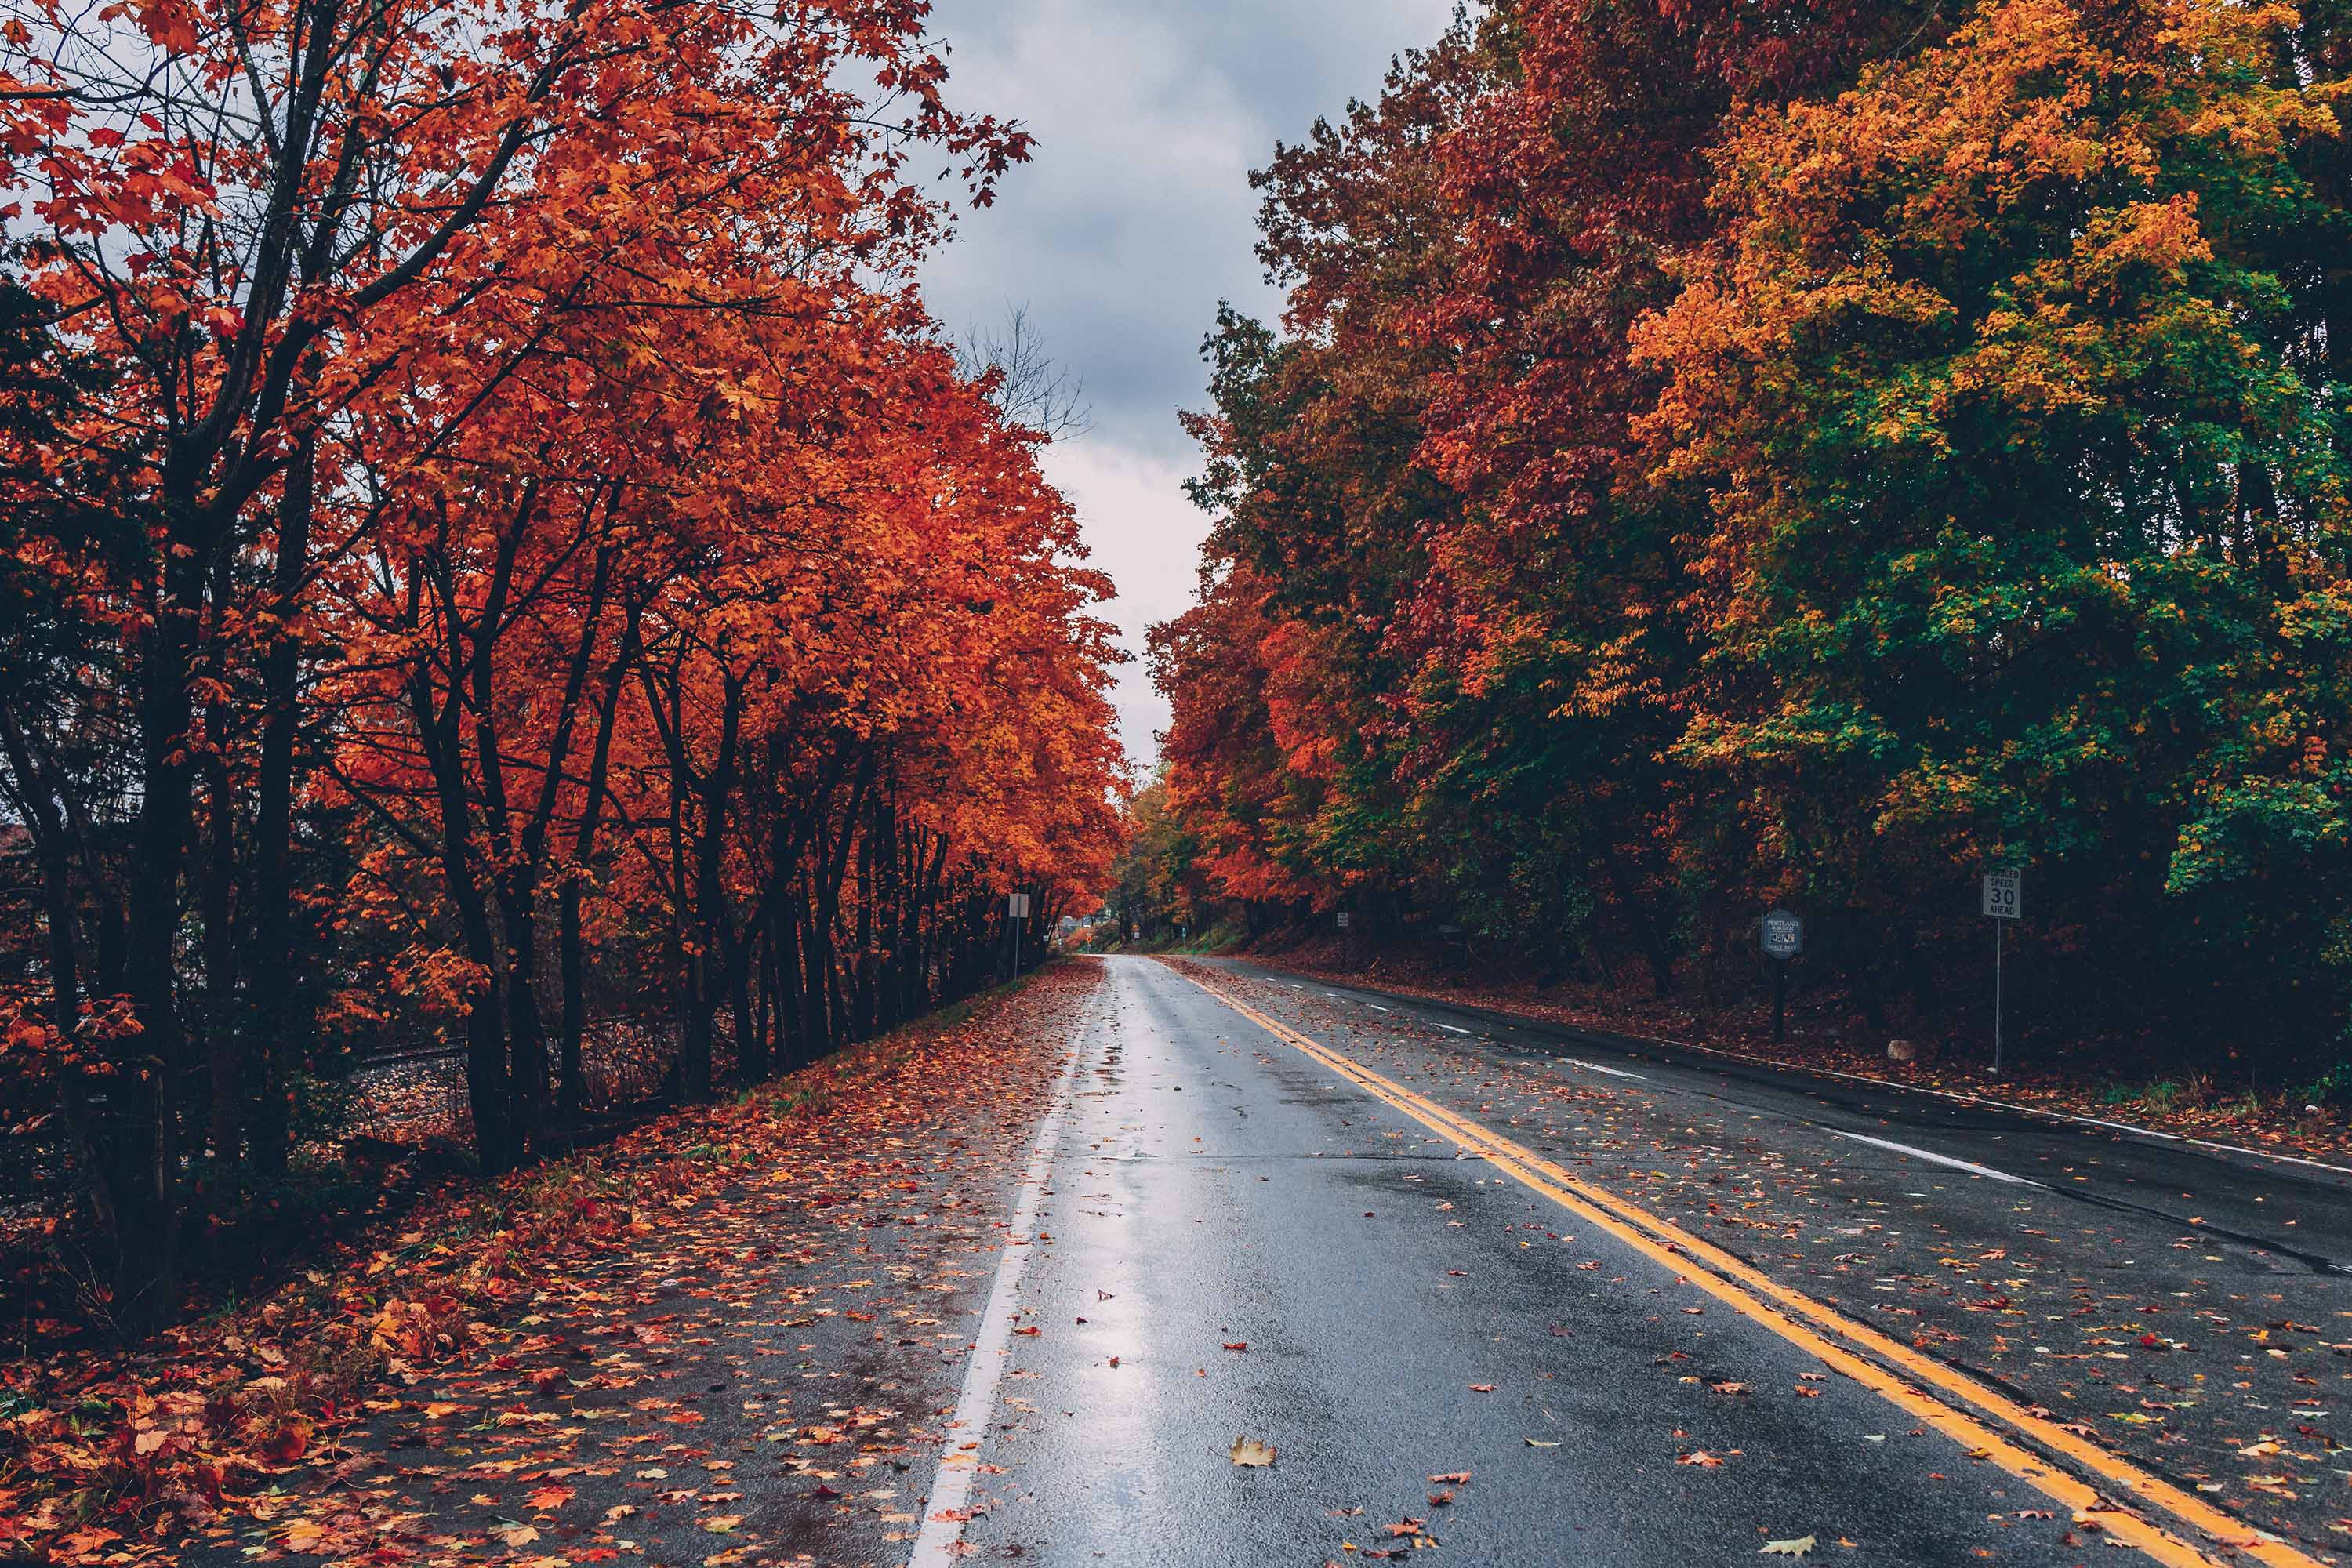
1236, 1243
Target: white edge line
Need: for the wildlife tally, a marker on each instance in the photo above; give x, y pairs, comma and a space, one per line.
1455, 1028
1970, 1166
951, 1486
2131, 1128
1376, 1006
1596, 1067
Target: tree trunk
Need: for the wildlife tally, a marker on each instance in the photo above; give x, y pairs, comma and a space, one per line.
572, 1095
139, 1151
223, 1039
489, 1089
269, 967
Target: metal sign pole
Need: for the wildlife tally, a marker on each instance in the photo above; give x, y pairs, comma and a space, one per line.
1995, 997
2004, 901
1782, 935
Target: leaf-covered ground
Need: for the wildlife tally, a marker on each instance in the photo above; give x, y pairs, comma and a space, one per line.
730, 1336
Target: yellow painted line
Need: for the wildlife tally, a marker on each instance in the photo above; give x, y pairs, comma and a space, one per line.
1755, 1295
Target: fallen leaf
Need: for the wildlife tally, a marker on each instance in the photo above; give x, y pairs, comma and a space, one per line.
1250, 1451
1797, 1548
1701, 1458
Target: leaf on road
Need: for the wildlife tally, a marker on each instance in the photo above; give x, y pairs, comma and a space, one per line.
1250, 1451
1539, 1443
1701, 1458
1797, 1548
1482, 1388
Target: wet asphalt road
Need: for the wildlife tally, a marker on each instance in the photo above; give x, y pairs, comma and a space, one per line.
2285, 1214
1211, 1187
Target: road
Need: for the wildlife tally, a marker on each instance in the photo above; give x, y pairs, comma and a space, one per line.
1657, 1309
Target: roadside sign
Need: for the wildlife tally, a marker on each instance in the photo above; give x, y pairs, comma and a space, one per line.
1344, 918
1016, 912
2004, 899
1782, 935
2004, 895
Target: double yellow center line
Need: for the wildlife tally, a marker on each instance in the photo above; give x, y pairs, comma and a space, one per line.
1985, 1422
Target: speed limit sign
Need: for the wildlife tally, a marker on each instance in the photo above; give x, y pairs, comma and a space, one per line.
2005, 897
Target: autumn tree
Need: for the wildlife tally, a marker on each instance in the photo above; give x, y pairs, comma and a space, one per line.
1717, 454
2028, 541
446, 451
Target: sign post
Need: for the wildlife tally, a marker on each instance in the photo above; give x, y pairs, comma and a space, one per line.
1782, 935
2004, 901
1016, 910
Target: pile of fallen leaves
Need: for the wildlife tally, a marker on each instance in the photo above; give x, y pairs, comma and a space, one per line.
98, 1447
157, 1437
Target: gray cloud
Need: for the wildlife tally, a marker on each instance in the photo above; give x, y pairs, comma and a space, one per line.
1134, 220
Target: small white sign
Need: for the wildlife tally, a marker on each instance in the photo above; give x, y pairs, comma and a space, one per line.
2004, 895
1782, 934
1345, 919
1017, 906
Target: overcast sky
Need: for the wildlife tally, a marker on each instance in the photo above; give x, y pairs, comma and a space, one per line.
1134, 220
